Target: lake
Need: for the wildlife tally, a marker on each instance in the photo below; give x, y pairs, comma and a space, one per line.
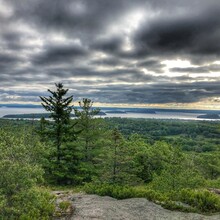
158, 115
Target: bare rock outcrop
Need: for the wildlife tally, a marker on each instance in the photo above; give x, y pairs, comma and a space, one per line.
93, 207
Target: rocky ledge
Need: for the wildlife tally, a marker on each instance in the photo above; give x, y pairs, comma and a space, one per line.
93, 207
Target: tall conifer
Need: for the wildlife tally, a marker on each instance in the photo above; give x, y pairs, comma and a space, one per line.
60, 108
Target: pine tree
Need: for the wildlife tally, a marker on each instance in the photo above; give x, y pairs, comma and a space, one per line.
88, 128
60, 108
117, 161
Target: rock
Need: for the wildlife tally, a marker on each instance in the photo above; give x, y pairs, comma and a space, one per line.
213, 190
93, 207
63, 206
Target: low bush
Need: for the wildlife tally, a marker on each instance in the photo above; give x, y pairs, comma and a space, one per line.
124, 192
202, 200
34, 204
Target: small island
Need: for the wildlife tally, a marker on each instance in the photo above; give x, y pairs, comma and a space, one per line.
209, 116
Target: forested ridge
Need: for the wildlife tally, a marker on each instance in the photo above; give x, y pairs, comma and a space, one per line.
171, 162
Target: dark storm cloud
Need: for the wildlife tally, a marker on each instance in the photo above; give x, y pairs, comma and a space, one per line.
112, 75
110, 50
174, 93
8, 59
107, 45
79, 17
59, 54
110, 61
152, 65
196, 32
169, 93
12, 40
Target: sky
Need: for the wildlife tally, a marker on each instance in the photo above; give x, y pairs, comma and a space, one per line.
153, 53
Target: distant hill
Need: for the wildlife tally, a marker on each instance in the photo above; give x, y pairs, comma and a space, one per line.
143, 111
30, 116
209, 116
116, 112
20, 106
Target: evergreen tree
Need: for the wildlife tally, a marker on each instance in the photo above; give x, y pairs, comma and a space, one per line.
87, 126
117, 161
59, 105
60, 112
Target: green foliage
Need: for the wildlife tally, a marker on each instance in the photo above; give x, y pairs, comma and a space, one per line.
58, 105
209, 164
59, 133
64, 205
35, 203
196, 136
18, 162
113, 190
172, 158
90, 138
203, 200
87, 126
213, 183
124, 191
86, 110
151, 159
116, 161
20, 172
179, 172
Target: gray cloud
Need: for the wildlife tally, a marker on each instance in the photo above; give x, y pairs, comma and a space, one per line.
195, 32
111, 51
59, 54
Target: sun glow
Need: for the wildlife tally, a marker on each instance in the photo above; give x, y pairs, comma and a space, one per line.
128, 24
177, 63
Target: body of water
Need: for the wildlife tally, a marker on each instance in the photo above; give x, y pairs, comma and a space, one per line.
158, 115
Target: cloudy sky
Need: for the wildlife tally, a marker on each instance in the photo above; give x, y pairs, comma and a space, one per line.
151, 53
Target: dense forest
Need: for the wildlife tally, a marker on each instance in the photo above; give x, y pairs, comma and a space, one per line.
171, 162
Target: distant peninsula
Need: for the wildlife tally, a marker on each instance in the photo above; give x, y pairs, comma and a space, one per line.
38, 115
29, 116
209, 116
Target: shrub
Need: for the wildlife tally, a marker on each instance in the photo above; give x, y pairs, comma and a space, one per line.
113, 190
64, 205
34, 204
20, 173
202, 200
124, 192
